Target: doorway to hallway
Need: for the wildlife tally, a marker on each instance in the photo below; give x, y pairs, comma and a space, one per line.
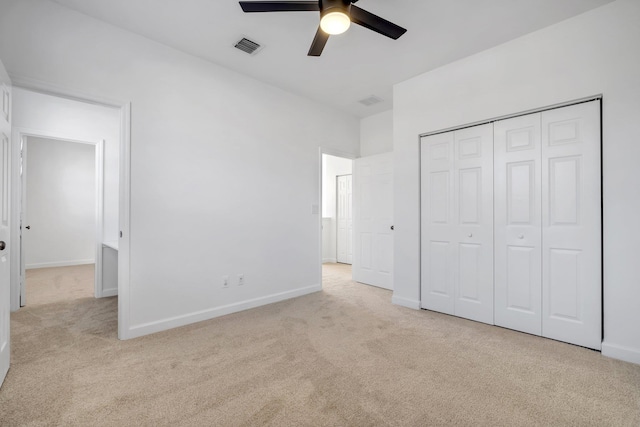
337, 218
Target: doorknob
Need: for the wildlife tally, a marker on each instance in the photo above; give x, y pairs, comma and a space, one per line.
521, 236
392, 228
28, 227
2, 245
470, 234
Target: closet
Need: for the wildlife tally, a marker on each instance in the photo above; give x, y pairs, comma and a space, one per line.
457, 223
511, 223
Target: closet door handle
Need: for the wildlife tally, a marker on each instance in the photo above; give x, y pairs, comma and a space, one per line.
521, 236
470, 234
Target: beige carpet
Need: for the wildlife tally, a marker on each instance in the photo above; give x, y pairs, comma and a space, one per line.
49, 285
342, 357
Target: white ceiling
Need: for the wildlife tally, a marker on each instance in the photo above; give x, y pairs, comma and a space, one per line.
354, 65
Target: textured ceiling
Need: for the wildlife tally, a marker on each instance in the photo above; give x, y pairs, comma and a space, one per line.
354, 65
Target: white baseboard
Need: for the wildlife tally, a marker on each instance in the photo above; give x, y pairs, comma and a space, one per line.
109, 292
620, 352
331, 260
199, 316
59, 264
406, 302
389, 288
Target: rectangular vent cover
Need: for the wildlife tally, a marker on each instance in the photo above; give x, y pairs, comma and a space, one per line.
248, 46
370, 100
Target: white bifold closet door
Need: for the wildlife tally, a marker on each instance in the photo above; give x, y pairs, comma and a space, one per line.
344, 239
571, 225
548, 224
457, 223
518, 223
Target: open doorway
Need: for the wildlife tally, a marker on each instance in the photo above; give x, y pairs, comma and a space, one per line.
105, 126
337, 213
62, 189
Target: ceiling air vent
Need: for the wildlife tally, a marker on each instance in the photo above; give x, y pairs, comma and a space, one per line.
368, 102
248, 46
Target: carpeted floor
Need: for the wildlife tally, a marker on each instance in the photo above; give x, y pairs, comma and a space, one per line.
51, 285
341, 357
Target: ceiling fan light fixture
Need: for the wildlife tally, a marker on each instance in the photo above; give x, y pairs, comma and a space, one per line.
335, 18
335, 22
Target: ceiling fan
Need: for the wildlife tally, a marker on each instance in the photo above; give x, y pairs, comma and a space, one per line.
335, 18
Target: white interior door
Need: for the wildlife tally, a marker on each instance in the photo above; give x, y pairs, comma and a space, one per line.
24, 222
438, 226
571, 217
457, 223
473, 216
344, 219
518, 235
373, 220
5, 289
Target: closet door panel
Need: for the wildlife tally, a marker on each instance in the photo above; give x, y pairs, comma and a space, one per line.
473, 216
521, 288
517, 196
571, 214
437, 223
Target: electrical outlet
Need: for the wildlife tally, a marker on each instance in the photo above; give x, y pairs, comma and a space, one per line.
225, 281
240, 279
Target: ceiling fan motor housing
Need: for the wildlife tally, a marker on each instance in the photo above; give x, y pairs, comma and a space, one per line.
328, 6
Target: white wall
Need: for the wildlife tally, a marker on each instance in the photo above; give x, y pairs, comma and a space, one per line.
329, 248
376, 134
224, 168
332, 166
61, 203
78, 121
597, 52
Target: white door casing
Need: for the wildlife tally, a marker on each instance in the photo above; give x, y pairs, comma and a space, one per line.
457, 223
373, 220
5, 288
518, 235
548, 221
571, 225
344, 217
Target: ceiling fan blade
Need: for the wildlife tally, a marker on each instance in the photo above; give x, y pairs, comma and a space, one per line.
375, 23
280, 6
319, 41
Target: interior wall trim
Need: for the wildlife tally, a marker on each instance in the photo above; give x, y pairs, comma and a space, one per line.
59, 264
509, 116
406, 302
615, 351
198, 316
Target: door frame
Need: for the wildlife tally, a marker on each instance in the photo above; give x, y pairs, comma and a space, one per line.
330, 152
594, 98
598, 98
124, 198
23, 136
